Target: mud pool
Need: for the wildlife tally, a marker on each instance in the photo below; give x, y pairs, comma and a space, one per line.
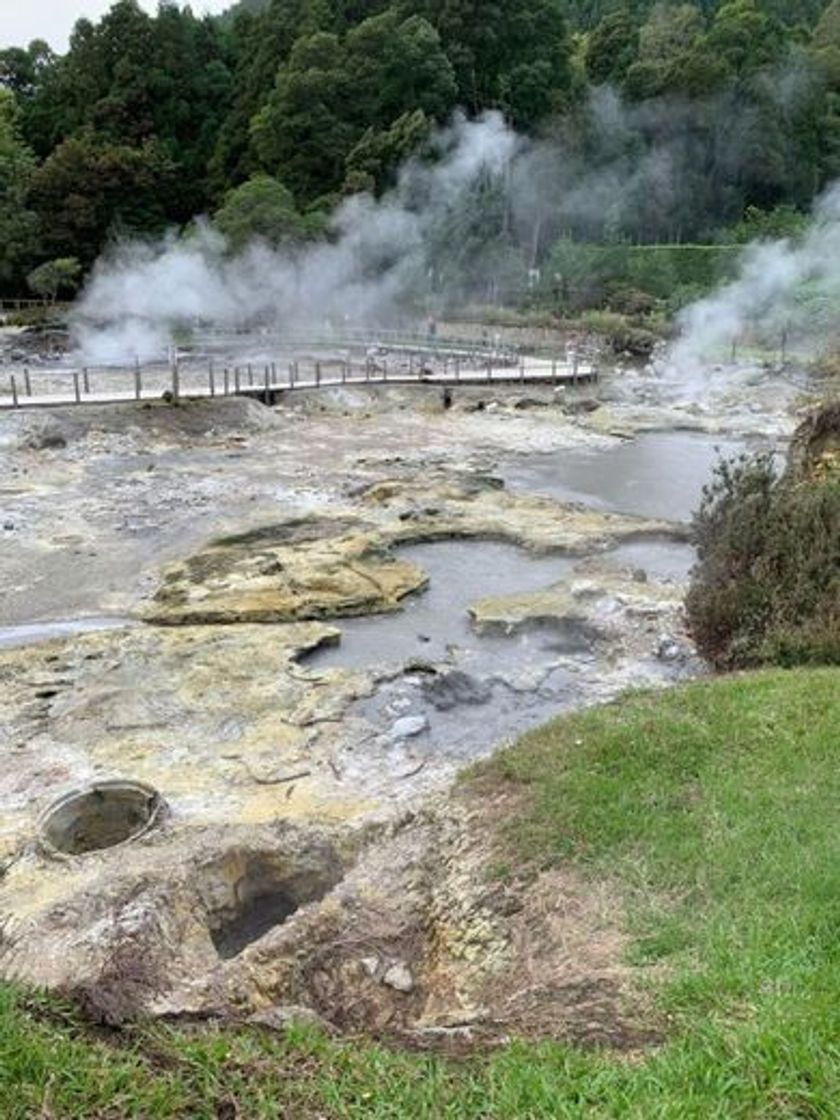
451, 686
434, 624
657, 474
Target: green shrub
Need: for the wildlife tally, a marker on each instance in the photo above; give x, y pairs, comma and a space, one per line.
630, 301
766, 589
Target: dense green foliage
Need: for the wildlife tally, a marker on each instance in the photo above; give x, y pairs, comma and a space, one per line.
766, 589
665, 122
730, 886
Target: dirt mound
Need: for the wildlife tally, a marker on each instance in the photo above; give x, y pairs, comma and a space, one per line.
185, 419
415, 939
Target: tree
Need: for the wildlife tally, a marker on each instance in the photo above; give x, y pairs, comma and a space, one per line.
672, 32
302, 134
745, 36
259, 44
470, 248
52, 277
88, 190
612, 47
825, 45
332, 93
513, 55
827, 31
261, 208
396, 66
132, 78
18, 223
372, 162
21, 70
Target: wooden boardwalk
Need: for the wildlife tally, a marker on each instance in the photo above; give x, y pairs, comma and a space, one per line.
267, 381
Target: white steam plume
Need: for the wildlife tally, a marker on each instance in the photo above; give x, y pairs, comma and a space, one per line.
140, 293
788, 288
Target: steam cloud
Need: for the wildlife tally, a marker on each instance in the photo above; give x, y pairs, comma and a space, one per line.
784, 288
638, 175
140, 293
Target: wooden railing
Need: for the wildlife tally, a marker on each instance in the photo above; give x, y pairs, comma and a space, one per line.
269, 380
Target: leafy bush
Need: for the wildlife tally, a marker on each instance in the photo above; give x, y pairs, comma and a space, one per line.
769, 225
766, 589
629, 301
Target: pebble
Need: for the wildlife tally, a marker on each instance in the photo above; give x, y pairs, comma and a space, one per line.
408, 727
669, 649
398, 976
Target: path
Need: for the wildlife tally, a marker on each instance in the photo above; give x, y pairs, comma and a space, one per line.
268, 382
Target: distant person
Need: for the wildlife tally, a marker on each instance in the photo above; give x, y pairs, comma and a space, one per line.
431, 326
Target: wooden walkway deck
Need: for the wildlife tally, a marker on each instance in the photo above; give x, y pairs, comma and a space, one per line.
266, 382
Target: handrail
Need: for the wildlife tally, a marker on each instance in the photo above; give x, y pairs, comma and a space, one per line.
201, 379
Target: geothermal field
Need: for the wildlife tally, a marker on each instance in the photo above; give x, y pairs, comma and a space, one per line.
247, 647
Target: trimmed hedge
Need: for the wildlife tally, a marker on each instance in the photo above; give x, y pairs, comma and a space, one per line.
584, 275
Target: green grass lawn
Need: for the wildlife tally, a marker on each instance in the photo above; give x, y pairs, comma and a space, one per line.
713, 809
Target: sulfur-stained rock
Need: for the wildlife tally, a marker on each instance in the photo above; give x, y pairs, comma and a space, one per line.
588, 608
303, 570
337, 567
480, 506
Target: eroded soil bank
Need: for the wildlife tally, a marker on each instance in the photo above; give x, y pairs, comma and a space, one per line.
294, 626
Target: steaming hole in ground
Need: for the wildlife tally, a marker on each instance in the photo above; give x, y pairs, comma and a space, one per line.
463, 691
657, 474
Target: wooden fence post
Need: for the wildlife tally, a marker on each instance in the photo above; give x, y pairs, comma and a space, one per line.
76, 391
27, 384
14, 392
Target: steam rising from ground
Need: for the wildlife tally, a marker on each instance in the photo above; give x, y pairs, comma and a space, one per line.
457, 217
140, 293
784, 298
